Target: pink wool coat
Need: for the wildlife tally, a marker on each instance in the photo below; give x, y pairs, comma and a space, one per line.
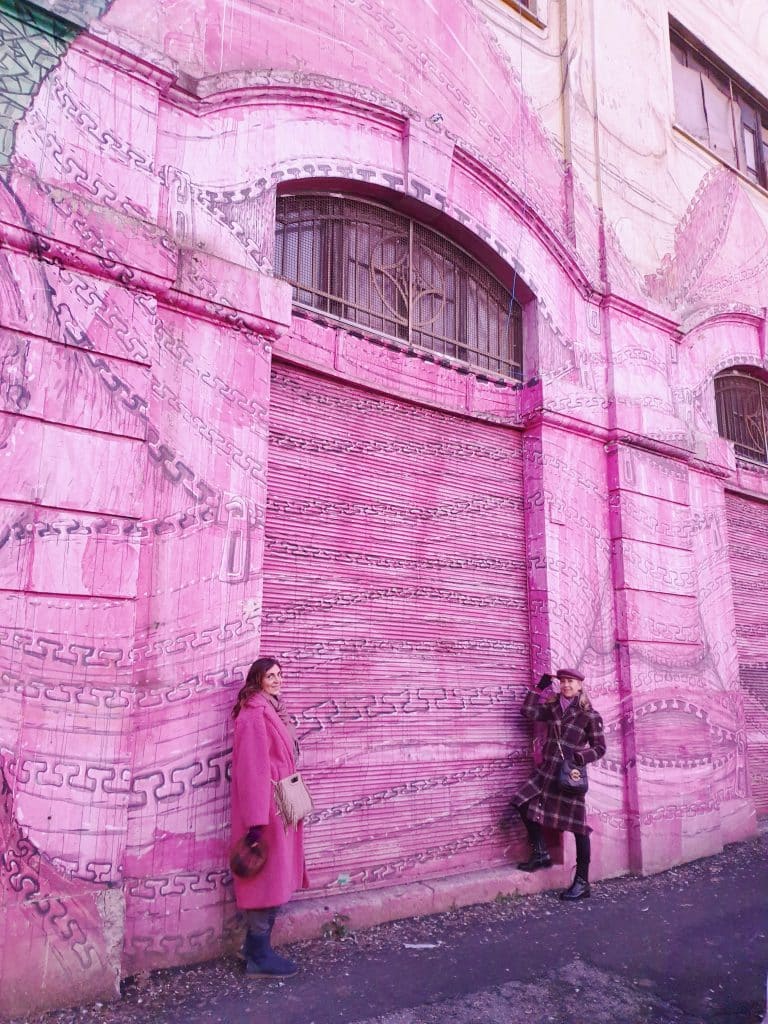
262, 754
582, 740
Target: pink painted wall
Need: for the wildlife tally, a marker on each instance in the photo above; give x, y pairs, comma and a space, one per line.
168, 508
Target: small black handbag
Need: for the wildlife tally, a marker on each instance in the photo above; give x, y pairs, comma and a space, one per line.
571, 778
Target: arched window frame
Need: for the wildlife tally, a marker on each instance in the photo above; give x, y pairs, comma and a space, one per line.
741, 402
389, 275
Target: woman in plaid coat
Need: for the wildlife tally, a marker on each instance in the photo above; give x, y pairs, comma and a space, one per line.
570, 717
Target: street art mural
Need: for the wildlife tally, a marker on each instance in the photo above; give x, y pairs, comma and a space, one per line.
192, 473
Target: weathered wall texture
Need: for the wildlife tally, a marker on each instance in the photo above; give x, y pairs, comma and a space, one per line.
189, 474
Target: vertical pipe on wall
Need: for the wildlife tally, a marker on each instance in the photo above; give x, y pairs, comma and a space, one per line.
597, 146
578, 62
565, 109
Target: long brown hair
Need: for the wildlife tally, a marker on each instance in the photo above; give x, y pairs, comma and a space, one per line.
254, 682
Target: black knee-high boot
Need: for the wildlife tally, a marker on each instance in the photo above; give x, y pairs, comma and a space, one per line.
261, 960
580, 889
539, 854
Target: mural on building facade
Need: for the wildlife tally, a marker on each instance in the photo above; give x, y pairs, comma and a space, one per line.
425, 540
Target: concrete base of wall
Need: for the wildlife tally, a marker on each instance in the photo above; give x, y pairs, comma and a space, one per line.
78, 961
739, 821
312, 917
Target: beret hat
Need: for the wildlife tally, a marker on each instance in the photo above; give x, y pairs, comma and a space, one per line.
572, 672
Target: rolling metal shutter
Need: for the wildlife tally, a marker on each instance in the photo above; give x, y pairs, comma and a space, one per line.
395, 596
748, 549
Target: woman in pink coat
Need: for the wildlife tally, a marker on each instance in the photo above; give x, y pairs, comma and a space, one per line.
265, 750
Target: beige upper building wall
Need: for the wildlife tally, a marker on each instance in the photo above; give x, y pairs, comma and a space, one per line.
736, 30
599, 73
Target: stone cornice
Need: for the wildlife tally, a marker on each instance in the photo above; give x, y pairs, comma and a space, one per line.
611, 301
735, 314
270, 88
108, 51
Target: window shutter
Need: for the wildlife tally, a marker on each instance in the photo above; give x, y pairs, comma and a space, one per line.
689, 101
719, 112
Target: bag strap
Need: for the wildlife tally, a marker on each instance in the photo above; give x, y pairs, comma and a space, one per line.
557, 740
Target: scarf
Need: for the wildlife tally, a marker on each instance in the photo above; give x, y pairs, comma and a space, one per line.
285, 718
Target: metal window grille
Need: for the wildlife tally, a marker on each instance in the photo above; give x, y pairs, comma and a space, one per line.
363, 264
742, 413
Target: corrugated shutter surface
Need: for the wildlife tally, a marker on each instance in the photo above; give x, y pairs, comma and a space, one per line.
394, 593
748, 543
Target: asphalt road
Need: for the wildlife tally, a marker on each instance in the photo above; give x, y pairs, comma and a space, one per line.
683, 947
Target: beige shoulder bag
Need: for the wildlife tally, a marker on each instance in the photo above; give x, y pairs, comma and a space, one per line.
293, 800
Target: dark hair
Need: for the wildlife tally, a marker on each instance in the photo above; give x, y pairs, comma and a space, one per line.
254, 682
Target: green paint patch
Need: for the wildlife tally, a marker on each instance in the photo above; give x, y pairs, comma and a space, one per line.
33, 38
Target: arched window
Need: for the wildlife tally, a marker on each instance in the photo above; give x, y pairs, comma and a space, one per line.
366, 265
741, 399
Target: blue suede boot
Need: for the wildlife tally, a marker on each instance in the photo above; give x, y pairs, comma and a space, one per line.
261, 961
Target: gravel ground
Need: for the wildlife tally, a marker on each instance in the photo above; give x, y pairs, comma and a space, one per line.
574, 994
684, 947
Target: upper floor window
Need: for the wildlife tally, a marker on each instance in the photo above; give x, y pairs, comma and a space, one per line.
742, 413
533, 11
364, 264
715, 106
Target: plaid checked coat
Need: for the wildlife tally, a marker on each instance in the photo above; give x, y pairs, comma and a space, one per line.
582, 740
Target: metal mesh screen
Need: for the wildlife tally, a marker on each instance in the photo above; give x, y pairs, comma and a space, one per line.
363, 264
742, 414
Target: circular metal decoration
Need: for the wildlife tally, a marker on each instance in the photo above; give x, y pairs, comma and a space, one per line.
368, 265
402, 287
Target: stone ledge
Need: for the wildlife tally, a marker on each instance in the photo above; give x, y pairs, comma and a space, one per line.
306, 918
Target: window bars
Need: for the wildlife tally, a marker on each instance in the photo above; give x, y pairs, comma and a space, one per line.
742, 413
366, 265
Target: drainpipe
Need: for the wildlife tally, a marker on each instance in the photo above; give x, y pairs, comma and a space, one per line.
578, 25
580, 15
